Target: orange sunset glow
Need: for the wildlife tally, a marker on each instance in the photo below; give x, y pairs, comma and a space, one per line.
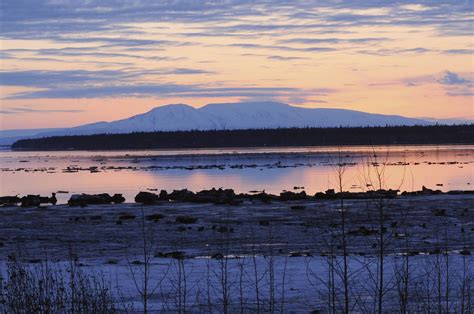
67, 63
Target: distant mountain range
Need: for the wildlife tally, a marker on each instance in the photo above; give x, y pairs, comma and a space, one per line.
229, 116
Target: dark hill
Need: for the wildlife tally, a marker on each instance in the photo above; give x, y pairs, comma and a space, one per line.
437, 134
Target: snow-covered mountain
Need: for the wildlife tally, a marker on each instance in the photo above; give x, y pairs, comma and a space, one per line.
232, 116
229, 116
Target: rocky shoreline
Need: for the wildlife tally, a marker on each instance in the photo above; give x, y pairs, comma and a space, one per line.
217, 196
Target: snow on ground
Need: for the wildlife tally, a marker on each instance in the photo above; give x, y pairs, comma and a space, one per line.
270, 244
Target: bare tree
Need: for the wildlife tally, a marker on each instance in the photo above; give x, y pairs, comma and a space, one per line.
53, 288
374, 173
145, 283
340, 172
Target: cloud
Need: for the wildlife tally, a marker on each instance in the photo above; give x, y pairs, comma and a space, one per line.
45, 79
311, 41
122, 42
49, 18
462, 93
274, 57
56, 60
451, 78
117, 33
283, 58
85, 52
283, 48
154, 90
396, 51
459, 51
122, 28
184, 71
130, 83
23, 110
64, 79
456, 85
133, 82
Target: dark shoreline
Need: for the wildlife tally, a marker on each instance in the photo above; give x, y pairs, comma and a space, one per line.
308, 137
219, 197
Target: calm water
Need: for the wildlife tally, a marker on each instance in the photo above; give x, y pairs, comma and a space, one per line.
272, 170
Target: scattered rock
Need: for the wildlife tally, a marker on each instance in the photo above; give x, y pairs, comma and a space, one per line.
300, 254
224, 229
95, 199
262, 197
425, 190
147, 198
182, 195
9, 200
460, 192
127, 217
363, 231
174, 254
34, 261
186, 220
376, 194
217, 256
154, 217
298, 207
37, 200
118, 199
164, 195
292, 196
214, 196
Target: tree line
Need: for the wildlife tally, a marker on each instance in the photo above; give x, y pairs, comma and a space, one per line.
388, 135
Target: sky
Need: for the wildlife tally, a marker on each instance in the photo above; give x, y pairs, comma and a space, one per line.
70, 62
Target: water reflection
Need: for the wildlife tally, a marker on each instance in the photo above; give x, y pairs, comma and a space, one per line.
272, 170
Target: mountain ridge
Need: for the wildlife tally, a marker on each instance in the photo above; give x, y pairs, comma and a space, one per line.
234, 116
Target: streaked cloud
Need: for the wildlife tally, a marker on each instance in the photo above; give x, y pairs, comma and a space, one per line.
459, 51
181, 50
163, 90
62, 79
21, 110
95, 84
332, 40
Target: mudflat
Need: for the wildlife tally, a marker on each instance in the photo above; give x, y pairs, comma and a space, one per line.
412, 225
